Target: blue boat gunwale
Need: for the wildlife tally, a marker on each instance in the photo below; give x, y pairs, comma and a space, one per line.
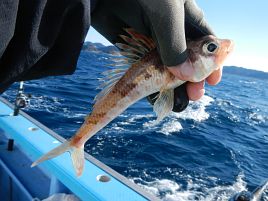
88, 157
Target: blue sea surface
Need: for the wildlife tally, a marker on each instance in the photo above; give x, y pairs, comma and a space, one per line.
218, 146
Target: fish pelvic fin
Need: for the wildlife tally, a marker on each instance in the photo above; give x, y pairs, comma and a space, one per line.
164, 104
77, 155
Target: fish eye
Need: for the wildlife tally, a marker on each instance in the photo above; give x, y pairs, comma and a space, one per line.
211, 47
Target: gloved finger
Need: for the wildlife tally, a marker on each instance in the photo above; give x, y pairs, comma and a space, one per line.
161, 20
181, 99
166, 21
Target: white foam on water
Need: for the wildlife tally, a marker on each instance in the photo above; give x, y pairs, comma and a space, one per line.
170, 127
224, 193
138, 117
50, 105
169, 190
265, 195
117, 128
247, 82
159, 187
257, 118
196, 110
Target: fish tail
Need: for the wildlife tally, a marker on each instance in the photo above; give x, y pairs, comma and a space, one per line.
77, 155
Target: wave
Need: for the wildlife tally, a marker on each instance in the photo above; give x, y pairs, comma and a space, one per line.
235, 118
237, 113
196, 111
247, 82
257, 118
170, 127
169, 190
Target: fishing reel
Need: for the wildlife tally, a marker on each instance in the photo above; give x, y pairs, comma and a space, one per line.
22, 100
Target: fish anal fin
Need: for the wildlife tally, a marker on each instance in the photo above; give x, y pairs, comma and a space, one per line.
164, 104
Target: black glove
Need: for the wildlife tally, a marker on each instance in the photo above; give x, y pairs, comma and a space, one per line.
167, 22
40, 38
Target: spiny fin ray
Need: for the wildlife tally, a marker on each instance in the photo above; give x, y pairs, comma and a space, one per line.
137, 45
146, 41
128, 48
132, 42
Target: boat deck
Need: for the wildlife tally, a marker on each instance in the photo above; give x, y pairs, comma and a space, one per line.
18, 178
32, 139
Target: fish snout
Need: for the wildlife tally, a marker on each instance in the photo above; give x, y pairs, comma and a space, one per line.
228, 45
231, 47
225, 48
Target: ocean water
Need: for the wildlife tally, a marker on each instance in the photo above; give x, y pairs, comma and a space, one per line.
217, 147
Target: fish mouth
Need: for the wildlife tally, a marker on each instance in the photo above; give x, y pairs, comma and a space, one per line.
231, 47
227, 45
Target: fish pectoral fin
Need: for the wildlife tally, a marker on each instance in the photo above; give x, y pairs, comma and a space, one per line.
77, 155
164, 104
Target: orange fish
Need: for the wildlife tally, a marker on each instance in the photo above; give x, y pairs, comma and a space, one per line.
146, 75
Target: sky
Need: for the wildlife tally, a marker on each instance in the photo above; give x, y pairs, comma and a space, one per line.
243, 21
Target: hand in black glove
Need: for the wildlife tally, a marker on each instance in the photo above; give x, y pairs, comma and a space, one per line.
167, 22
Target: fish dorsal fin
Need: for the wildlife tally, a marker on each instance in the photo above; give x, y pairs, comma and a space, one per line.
164, 104
110, 78
136, 46
131, 49
141, 39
